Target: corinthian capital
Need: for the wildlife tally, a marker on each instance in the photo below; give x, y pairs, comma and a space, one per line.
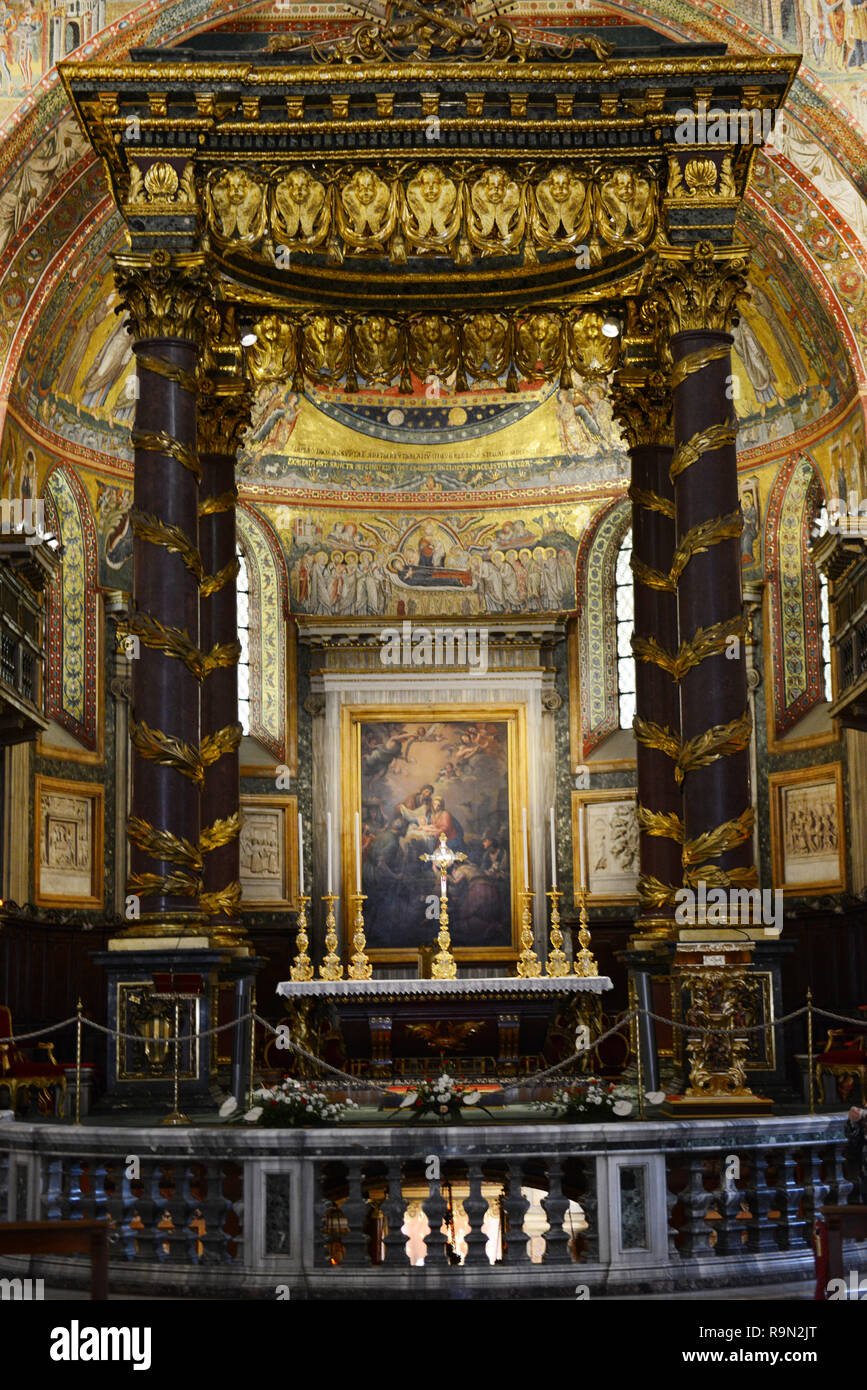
163, 294
224, 415
641, 402
699, 289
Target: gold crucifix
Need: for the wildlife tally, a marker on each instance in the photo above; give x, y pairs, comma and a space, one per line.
444, 966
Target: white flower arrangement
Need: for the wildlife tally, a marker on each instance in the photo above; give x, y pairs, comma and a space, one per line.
292, 1102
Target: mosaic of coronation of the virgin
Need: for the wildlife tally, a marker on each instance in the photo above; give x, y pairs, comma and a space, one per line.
435, 499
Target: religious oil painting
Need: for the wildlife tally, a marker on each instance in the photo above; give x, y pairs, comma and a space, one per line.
414, 774
806, 829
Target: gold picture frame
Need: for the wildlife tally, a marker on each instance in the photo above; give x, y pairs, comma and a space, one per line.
62, 875
800, 865
515, 718
619, 885
280, 813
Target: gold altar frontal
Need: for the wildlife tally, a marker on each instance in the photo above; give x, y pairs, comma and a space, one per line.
495, 1027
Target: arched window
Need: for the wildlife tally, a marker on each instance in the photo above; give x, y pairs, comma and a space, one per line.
624, 603
825, 637
243, 589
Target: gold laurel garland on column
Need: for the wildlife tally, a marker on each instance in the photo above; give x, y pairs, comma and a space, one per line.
701, 537
658, 736
218, 502
221, 654
708, 641
158, 442
163, 844
651, 649
650, 501
220, 832
170, 537
215, 746
666, 825
653, 579
652, 892
213, 583
159, 367
705, 442
227, 900
172, 885
715, 877
172, 641
695, 362
722, 838
721, 741
167, 750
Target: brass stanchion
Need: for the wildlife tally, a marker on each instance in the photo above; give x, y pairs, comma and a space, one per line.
810, 1050
176, 1117
332, 966
303, 966
556, 964
78, 1008
252, 1041
639, 1060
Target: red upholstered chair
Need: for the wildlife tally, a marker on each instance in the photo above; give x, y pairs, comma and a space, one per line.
844, 1058
17, 1072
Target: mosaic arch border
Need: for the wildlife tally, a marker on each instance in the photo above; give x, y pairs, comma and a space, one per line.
269, 593
794, 621
73, 637
596, 623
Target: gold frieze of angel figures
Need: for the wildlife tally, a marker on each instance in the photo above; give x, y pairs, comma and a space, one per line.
377, 349
431, 214
496, 220
236, 209
593, 355
627, 210
561, 210
301, 216
325, 342
367, 212
539, 345
273, 355
434, 349
486, 346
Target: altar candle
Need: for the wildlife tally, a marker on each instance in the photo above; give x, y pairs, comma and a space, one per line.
357, 852
328, 851
526, 850
553, 852
582, 865
300, 856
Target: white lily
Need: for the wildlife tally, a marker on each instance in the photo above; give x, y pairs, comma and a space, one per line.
409, 1099
228, 1107
252, 1115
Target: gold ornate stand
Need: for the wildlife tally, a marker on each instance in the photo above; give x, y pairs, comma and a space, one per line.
585, 961
302, 969
529, 964
360, 967
556, 964
332, 966
444, 964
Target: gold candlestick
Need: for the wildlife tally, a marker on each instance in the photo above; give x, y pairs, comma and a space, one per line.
332, 966
529, 964
360, 967
556, 964
444, 966
585, 961
302, 969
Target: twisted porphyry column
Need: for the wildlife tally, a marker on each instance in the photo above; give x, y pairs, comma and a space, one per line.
698, 292
642, 403
223, 415
164, 296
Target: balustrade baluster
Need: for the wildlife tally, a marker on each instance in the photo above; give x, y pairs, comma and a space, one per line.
697, 1201
789, 1192
728, 1201
763, 1200
324, 1214
394, 1210
839, 1186
815, 1188
515, 1206
556, 1204
476, 1208
355, 1211
435, 1209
